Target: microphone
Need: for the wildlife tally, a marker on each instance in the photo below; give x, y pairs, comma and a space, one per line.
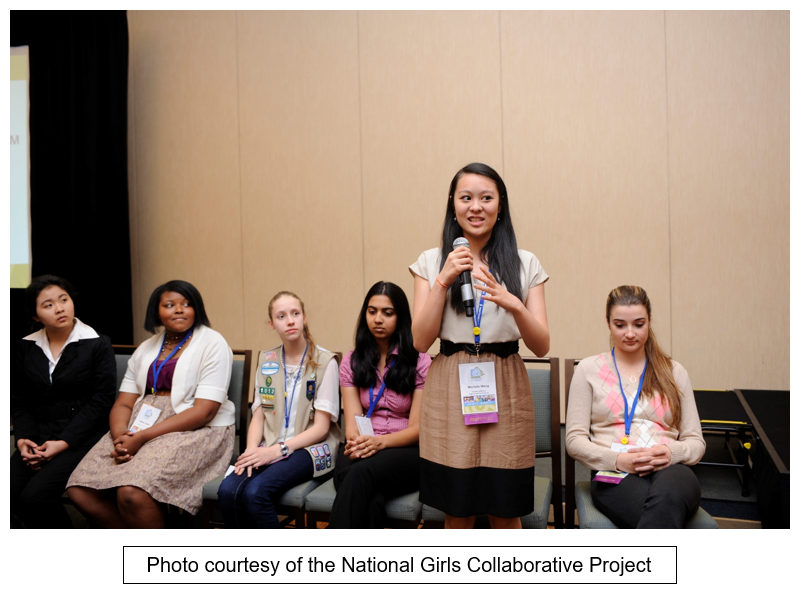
465, 282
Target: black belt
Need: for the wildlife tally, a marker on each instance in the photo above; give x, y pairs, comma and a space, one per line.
503, 349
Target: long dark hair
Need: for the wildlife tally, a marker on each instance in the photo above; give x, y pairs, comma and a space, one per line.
501, 250
185, 289
659, 374
402, 377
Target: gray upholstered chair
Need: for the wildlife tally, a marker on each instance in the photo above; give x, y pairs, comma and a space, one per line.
580, 499
592, 519
238, 393
122, 354
547, 492
402, 512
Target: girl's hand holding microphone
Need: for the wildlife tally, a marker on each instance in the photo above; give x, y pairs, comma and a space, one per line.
460, 259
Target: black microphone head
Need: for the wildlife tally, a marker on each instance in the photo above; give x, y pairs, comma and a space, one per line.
461, 242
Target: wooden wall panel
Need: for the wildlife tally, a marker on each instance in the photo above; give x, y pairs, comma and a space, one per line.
187, 160
312, 151
729, 124
430, 104
302, 221
586, 150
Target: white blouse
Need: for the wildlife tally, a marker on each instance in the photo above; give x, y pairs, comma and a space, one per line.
497, 324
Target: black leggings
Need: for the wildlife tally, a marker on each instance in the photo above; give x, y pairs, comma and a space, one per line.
364, 485
664, 499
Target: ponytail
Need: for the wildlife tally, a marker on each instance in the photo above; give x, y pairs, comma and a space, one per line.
659, 379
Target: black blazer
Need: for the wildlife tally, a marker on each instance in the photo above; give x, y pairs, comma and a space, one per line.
75, 406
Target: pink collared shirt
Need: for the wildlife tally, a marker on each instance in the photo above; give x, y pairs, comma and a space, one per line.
391, 413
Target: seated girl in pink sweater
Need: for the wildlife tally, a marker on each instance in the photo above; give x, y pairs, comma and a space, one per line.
632, 410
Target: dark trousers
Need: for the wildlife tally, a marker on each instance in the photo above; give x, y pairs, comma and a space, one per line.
250, 502
664, 499
36, 495
364, 485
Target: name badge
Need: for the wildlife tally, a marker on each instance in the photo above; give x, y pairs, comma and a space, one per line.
610, 476
478, 391
365, 426
146, 418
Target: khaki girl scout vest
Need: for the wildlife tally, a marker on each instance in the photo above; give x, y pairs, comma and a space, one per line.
270, 390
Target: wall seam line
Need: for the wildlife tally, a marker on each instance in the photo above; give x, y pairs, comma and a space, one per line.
500, 81
667, 150
239, 162
361, 147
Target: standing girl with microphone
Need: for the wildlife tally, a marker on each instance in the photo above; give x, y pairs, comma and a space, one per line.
293, 436
477, 419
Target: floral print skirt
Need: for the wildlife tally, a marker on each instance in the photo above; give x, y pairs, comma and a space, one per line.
171, 468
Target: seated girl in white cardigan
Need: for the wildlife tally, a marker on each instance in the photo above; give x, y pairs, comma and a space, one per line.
172, 426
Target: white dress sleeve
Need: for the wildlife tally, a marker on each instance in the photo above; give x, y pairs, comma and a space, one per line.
327, 399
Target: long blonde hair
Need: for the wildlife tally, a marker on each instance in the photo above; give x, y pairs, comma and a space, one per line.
659, 374
313, 352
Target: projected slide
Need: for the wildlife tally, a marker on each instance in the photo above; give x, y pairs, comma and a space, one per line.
20, 187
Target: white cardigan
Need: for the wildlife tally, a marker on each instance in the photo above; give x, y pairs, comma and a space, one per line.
203, 371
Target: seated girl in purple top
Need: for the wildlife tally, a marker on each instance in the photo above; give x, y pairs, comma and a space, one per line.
382, 384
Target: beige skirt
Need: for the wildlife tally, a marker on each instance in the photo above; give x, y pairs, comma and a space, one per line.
444, 437
171, 468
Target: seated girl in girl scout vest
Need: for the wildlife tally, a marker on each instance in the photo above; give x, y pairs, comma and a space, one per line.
293, 435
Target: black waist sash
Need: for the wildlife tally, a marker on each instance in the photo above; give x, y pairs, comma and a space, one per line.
502, 349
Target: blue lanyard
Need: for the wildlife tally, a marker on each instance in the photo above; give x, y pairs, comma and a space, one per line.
477, 313
295, 386
375, 401
629, 416
156, 373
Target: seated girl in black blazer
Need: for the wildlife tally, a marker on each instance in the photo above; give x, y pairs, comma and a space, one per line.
63, 383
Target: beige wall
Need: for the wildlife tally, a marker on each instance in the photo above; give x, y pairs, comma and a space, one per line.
312, 151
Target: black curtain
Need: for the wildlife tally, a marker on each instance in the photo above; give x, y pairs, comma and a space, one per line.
79, 170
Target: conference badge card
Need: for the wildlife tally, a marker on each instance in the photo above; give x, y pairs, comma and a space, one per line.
478, 392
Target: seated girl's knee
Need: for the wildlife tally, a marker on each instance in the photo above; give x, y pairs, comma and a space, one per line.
129, 497
34, 495
228, 487
256, 492
76, 493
